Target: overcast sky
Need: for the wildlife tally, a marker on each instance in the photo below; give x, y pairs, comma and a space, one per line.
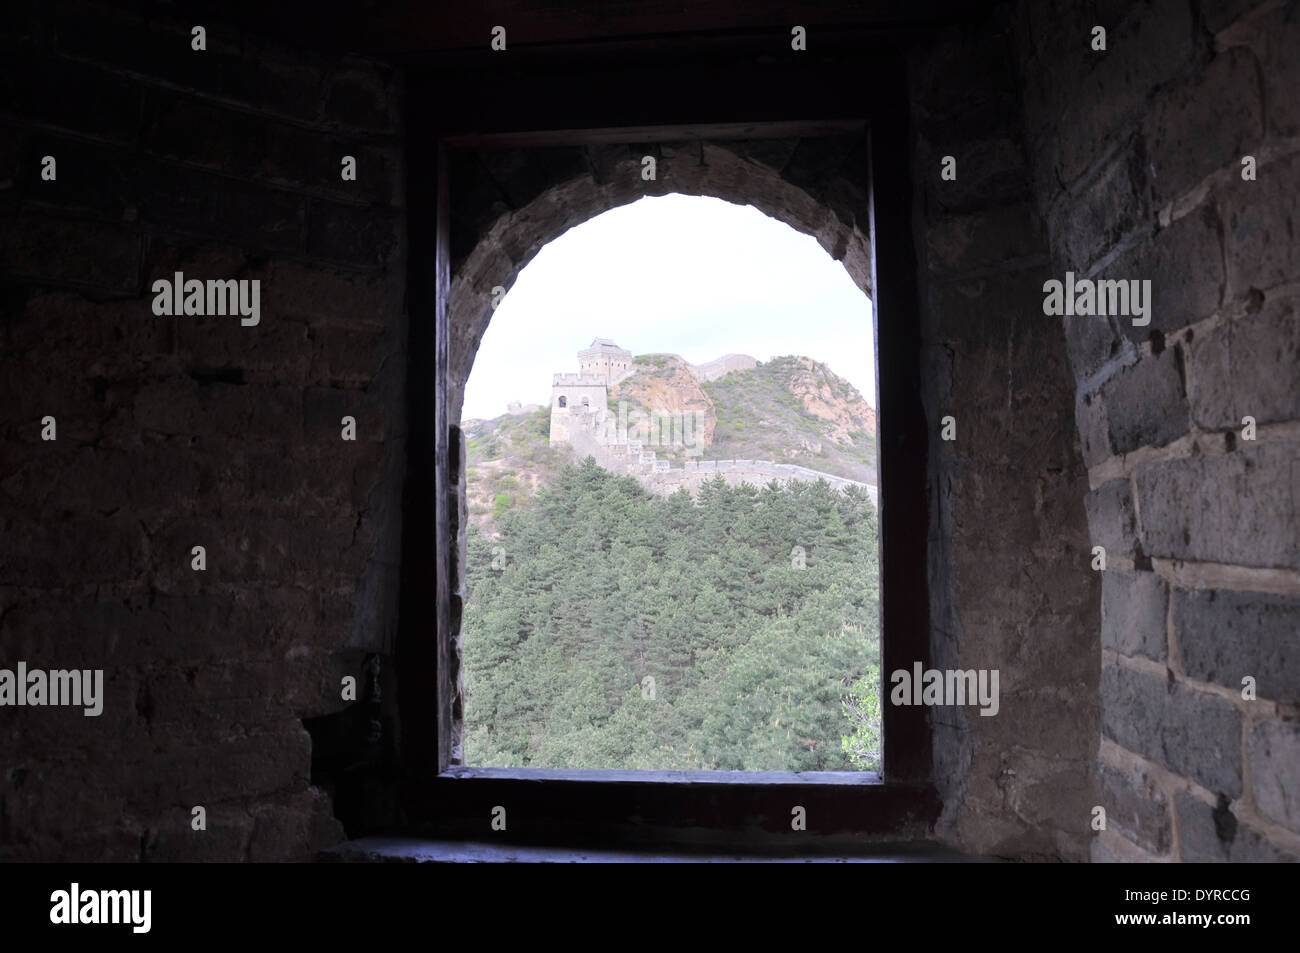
693, 276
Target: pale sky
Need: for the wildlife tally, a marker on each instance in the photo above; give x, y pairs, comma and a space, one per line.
681, 274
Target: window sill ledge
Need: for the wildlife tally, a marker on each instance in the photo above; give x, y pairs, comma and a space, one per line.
417, 850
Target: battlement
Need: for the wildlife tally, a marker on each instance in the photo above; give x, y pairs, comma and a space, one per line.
577, 380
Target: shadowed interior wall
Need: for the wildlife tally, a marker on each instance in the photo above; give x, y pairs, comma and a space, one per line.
174, 432
1010, 586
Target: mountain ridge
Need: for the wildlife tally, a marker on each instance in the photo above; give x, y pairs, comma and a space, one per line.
791, 411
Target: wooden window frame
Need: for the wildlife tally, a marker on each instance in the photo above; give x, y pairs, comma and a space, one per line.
577, 808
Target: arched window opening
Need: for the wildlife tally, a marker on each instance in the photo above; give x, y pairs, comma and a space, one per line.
749, 431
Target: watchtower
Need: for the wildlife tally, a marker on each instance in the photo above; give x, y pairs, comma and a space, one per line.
599, 366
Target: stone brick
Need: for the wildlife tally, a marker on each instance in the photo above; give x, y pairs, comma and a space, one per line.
190, 202
1184, 263
1200, 127
378, 171
171, 838
1146, 49
294, 829
1235, 508
29, 393
1087, 226
1189, 732
1133, 612
1280, 68
274, 351
243, 695
963, 243
314, 482
73, 551
523, 176
1273, 749
279, 551
362, 237
1004, 307
52, 91
65, 734
14, 162
325, 407
1100, 854
1224, 636
182, 127
1137, 806
119, 334
1272, 36
963, 72
358, 96
1260, 227
162, 629
345, 357
221, 410
1112, 521
991, 171
1145, 404
1094, 431
209, 259
116, 844
240, 144
52, 795
246, 767
1248, 367
80, 254
145, 478
232, 67
321, 296
1214, 835
92, 177
1224, 13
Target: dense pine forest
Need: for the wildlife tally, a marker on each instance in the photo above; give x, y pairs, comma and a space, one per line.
738, 630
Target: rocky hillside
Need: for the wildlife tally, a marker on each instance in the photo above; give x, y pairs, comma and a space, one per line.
665, 384
793, 410
790, 410
507, 460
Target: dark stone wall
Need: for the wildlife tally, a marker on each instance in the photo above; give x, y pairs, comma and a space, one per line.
174, 432
1010, 588
1136, 157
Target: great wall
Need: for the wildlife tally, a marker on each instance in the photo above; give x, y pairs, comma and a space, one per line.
580, 418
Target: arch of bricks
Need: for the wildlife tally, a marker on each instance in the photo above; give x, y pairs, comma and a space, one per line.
507, 204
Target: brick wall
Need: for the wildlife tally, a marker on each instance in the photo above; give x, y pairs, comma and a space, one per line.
1137, 168
182, 431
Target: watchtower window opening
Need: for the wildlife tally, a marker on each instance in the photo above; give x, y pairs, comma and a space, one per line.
706, 527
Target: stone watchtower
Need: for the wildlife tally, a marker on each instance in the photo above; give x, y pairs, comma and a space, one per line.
606, 360
599, 366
